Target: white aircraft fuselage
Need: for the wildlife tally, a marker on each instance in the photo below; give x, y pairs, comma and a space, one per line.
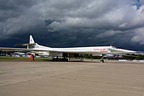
54, 52
78, 50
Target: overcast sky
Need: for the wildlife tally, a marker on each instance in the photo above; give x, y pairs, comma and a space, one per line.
73, 22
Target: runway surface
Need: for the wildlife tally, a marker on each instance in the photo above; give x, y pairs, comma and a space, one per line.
71, 79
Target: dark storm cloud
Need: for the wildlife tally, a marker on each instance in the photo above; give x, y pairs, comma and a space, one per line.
13, 8
18, 16
100, 18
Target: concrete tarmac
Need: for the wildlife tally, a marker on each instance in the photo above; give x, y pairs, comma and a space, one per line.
71, 79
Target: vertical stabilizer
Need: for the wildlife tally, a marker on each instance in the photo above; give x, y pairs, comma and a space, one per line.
31, 40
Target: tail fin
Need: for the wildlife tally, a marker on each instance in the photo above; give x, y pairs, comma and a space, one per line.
31, 43
31, 40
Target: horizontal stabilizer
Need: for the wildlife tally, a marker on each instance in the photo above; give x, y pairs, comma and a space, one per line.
26, 44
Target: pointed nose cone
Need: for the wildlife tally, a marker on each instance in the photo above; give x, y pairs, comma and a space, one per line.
121, 51
125, 51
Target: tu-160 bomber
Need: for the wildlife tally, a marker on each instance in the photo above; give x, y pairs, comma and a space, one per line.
41, 50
